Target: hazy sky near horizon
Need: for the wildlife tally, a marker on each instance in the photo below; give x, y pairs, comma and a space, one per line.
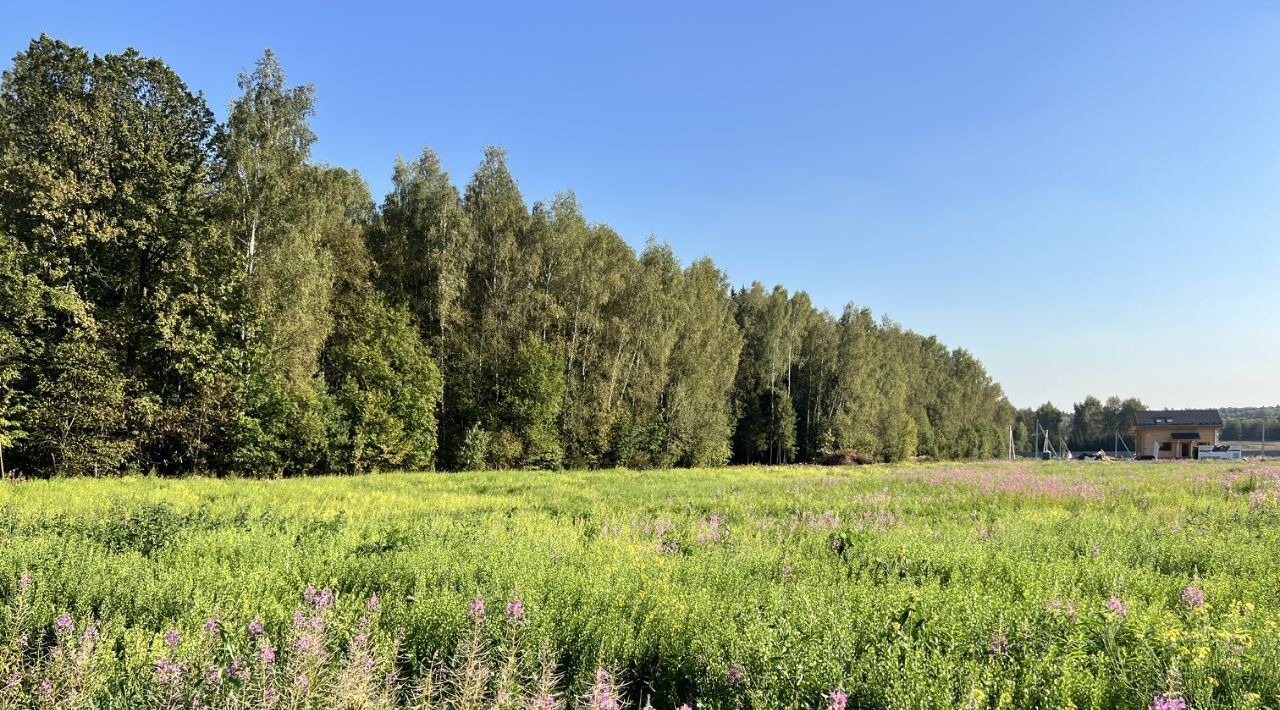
1084, 195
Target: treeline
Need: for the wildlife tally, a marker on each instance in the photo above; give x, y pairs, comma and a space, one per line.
1251, 429
178, 296
1091, 425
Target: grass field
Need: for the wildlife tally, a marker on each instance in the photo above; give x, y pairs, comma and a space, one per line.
1029, 584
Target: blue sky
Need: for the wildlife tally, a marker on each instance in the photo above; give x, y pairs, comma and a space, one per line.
1084, 195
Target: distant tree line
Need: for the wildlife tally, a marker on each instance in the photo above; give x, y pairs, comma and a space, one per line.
179, 295
1091, 425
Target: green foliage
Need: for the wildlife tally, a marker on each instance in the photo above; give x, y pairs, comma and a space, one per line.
229, 305
922, 586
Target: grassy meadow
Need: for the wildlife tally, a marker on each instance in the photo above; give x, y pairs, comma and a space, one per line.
999, 584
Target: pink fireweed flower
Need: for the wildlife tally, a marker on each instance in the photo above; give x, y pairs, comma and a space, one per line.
1117, 607
212, 626
306, 644
1168, 701
475, 611
301, 682
13, 679
1064, 608
64, 623
23, 640
171, 638
167, 672
836, 700
735, 675
999, 643
25, 581
45, 688
604, 695
90, 634
266, 654
515, 611
1193, 597
374, 603
255, 628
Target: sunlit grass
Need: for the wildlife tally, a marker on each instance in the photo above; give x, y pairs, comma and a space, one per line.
939, 585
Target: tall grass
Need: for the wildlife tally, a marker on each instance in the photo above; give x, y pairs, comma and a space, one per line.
985, 585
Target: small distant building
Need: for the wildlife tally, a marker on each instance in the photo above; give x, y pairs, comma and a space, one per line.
1175, 433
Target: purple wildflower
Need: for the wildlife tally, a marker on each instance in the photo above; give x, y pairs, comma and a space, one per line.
735, 674
603, 694
515, 611
1193, 597
373, 603
1168, 701
1117, 607
999, 643
475, 611
212, 626
171, 638
255, 628
167, 672
64, 622
836, 700
301, 682
267, 654
45, 688
13, 679
306, 644
22, 640
90, 634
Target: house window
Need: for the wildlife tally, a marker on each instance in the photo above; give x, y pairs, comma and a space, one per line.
1166, 446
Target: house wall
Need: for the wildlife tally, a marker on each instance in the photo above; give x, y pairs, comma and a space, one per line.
1147, 437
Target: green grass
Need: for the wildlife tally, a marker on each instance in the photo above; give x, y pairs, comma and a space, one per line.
895, 585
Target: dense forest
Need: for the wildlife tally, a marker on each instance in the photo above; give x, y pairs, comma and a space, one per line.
1091, 425
180, 295
1250, 423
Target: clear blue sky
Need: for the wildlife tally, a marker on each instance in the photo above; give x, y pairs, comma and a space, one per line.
1084, 195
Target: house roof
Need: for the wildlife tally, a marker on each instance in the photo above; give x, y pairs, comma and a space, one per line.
1178, 417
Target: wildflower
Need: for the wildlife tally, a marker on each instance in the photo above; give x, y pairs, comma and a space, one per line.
22, 640
735, 674
1063, 607
13, 679
999, 643
475, 611
1117, 607
167, 672
1168, 701
373, 603
515, 611
545, 702
1094, 551
255, 628
1193, 597
45, 688
215, 675
686, 706
306, 644
603, 694
319, 599
836, 700
267, 654
212, 626
25, 581
171, 638
301, 682
64, 622
90, 634
239, 670
787, 571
